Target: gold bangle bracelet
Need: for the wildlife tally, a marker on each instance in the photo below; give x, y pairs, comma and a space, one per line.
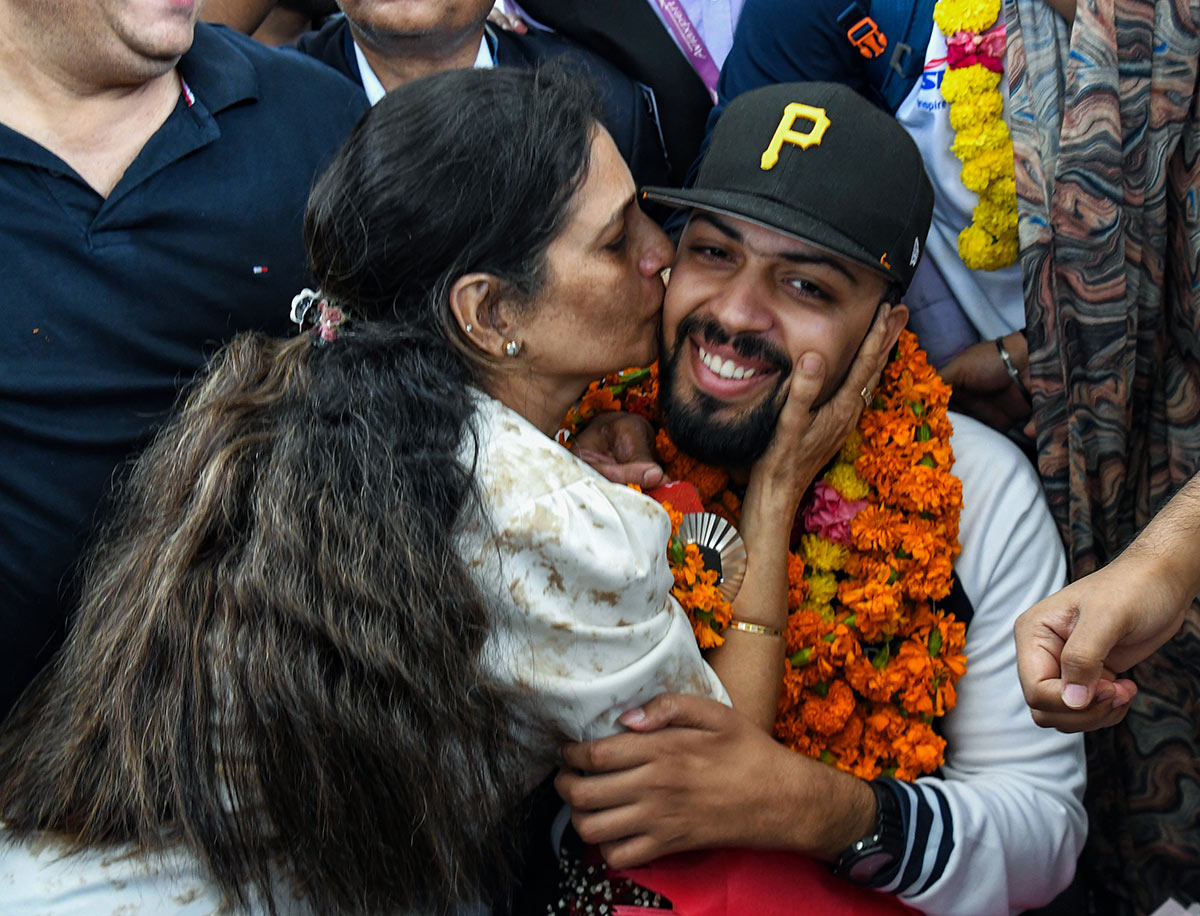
756, 628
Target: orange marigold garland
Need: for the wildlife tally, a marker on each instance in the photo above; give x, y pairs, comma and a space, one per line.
872, 659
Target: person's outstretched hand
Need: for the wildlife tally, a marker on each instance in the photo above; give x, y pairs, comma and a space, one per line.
1071, 645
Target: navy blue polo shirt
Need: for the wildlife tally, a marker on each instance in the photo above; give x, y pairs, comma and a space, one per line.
112, 305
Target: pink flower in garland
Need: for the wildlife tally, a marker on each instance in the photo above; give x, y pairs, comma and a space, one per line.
829, 515
966, 48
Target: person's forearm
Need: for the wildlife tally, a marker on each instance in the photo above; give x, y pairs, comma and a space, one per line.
1169, 547
816, 810
750, 664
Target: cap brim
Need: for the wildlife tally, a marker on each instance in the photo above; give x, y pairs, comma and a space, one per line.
770, 215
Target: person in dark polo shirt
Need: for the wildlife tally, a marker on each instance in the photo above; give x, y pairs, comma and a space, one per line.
153, 175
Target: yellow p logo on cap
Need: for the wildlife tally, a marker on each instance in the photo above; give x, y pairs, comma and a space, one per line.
784, 133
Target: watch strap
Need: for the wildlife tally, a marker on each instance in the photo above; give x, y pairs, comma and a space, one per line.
881, 851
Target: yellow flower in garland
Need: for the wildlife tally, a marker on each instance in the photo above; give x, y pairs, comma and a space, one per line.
984, 249
968, 83
974, 109
823, 554
995, 218
977, 139
843, 478
990, 166
974, 60
851, 448
871, 659
822, 587
965, 15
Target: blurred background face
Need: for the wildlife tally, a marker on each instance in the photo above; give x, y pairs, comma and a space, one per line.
130, 40
416, 18
744, 303
600, 306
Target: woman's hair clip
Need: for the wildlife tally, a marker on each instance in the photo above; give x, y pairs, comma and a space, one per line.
314, 312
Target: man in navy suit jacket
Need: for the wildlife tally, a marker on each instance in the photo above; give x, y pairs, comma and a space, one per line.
383, 45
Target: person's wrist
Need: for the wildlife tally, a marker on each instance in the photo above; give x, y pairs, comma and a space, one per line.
1173, 574
875, 857
769, 510
825, 810
1010, 367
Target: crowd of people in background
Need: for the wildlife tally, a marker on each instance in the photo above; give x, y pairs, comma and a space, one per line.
333, 622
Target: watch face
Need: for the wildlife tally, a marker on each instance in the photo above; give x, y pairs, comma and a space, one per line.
868, 865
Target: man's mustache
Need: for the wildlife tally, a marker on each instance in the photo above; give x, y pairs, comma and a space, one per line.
751, 346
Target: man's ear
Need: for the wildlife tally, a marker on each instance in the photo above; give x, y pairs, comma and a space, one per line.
475, 303
896, 320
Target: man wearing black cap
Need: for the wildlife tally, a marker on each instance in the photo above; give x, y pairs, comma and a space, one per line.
808, 218
772, 213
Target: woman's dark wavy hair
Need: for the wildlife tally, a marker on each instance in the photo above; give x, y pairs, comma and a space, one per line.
277, 659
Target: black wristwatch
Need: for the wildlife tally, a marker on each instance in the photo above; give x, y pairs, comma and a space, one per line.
873, 860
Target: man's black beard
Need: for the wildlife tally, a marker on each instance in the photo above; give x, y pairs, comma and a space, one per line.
738, 442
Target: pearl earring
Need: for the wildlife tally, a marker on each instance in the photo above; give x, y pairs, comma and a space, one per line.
512, 348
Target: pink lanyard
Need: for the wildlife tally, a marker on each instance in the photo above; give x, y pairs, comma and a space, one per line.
692, 44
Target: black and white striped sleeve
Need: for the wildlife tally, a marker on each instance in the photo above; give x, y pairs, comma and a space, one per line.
929, 838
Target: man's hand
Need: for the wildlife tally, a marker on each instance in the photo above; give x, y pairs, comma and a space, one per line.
1070, 645
805, 440
982, 386
694, 774
621, 447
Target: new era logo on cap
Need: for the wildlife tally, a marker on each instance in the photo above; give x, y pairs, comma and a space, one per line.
818, 162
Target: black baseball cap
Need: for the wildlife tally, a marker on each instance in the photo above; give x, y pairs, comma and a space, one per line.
819, 162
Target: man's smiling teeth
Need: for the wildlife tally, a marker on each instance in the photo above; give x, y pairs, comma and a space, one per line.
725, 368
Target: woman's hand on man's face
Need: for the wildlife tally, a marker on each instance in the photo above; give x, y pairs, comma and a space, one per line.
807, 437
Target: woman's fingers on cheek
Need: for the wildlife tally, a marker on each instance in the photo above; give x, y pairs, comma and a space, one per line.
578, 756
873, 381
807, 378
873, 354
803, 391
878, 334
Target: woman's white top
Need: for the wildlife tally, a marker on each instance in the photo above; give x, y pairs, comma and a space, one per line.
575, 568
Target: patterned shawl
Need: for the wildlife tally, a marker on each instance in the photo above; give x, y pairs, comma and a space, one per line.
1106, 132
